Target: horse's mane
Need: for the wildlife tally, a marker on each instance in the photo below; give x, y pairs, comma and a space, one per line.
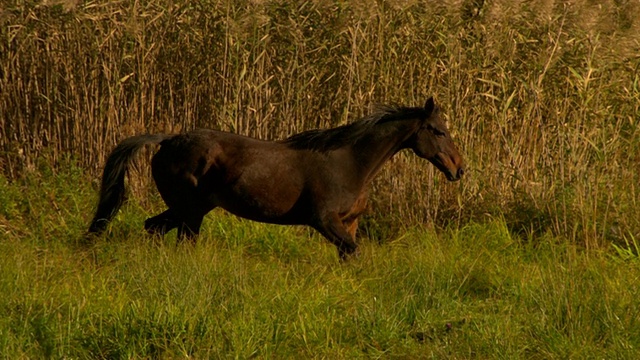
330, 139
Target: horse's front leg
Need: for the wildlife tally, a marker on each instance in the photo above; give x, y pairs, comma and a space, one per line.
352, 227
332, 228
350, 221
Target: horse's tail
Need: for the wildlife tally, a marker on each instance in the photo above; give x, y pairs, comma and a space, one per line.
112, 193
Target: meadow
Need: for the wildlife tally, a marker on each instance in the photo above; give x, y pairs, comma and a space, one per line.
534, 254
249, 290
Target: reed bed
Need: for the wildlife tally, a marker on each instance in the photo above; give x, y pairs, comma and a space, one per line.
542, 96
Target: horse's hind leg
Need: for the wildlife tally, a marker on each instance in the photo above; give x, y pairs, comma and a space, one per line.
189, 227
162, 223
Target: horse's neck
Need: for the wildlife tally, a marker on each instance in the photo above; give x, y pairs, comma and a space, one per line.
377, 147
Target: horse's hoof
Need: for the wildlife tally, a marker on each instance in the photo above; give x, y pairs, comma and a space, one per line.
348, 254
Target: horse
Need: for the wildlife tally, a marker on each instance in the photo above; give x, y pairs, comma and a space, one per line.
317, 178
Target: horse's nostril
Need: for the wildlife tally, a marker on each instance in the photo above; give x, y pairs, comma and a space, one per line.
460, 172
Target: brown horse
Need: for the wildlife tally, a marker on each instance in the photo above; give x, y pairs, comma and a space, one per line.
317, 178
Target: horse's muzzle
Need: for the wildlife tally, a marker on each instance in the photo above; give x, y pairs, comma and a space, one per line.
458, 174
452, 168
451, 176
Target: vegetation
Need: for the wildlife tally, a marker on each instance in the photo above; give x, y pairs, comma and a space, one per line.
253, 290
543, 97
534, 254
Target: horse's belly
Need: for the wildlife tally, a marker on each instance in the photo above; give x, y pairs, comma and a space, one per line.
271, 199
263, 210
288, 218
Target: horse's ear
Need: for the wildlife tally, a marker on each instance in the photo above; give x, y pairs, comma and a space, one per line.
429, 105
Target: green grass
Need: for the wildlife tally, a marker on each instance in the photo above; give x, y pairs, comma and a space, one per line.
253, 290
542, 96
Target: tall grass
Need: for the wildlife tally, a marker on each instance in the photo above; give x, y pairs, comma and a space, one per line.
543, 97
263, 291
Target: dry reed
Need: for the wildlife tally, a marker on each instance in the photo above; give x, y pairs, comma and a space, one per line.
543, 97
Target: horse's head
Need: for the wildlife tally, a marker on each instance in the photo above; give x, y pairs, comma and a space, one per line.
433, 142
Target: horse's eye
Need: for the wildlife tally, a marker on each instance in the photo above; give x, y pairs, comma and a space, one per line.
436, 131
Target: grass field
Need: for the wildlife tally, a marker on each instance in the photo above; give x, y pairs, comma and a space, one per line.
254, 290
534, 254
